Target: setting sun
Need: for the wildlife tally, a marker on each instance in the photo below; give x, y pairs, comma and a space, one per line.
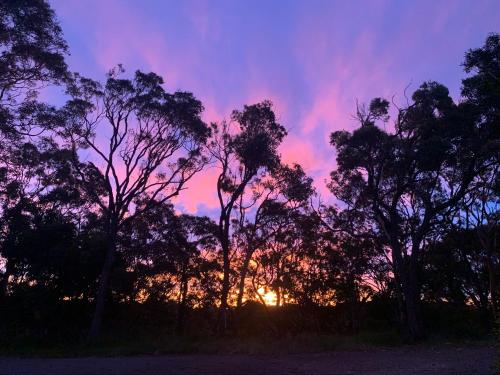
268, 296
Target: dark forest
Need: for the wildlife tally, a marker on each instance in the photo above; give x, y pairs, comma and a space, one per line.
93, 249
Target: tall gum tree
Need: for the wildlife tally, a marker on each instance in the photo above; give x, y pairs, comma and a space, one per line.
142, 145
244, 149
409, 179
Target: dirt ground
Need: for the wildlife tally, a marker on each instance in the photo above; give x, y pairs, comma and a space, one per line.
449, 360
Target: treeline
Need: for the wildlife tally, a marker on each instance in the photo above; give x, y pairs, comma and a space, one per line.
88, 229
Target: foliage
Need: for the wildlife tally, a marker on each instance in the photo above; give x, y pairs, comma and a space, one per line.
89, 230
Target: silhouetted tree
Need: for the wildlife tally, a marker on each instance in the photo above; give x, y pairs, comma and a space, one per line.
32, 55
242, 155
408, 179
35, 177
154, 141
455, 272
285, 190
482, 93
356, 258
167, 252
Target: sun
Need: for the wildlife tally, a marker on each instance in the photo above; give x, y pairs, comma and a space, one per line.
268, 296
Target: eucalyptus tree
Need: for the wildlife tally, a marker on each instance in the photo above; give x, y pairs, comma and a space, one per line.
481, 213
245, 149
32, 56
472, 239
285, 190
142, 145
35, 177
352, 265
167, 255
408, 180
455, 271
47, 252
291, 264
473, 227
481, 91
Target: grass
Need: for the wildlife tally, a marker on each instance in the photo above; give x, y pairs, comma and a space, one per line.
306, 343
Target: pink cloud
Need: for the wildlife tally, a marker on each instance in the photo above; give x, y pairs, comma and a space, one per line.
296, 150
200, 191
312, 60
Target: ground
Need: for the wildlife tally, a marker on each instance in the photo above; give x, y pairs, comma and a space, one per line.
408, 360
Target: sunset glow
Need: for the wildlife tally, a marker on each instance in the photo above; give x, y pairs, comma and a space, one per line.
269, 297
249, 179
308, 57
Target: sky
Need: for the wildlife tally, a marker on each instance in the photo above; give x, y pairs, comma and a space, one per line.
312, 58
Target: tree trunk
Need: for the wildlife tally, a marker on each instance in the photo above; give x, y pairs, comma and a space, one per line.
354, 309
401, 301
406, 272
182, 308
414, 313
492, 286
243, 276
488, 241
411, 290
399, 270
223, 323
100, 300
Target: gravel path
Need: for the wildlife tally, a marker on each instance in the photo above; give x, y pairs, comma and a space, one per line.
449, 360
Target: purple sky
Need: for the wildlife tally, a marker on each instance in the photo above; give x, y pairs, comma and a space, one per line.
312, 58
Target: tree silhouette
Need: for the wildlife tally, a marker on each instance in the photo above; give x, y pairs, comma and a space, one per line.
242, 156
285, 190
409, 179
33, 51
154, 144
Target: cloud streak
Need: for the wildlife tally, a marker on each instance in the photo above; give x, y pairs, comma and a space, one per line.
312, 59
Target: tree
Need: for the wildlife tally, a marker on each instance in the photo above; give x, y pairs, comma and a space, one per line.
242, 156
408, 180
291, 262
455, 271
32, 56
167, 253
482, 93
355, 258
35, 177
33, 52
480, 212
286, 190
144, 145
47, 251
